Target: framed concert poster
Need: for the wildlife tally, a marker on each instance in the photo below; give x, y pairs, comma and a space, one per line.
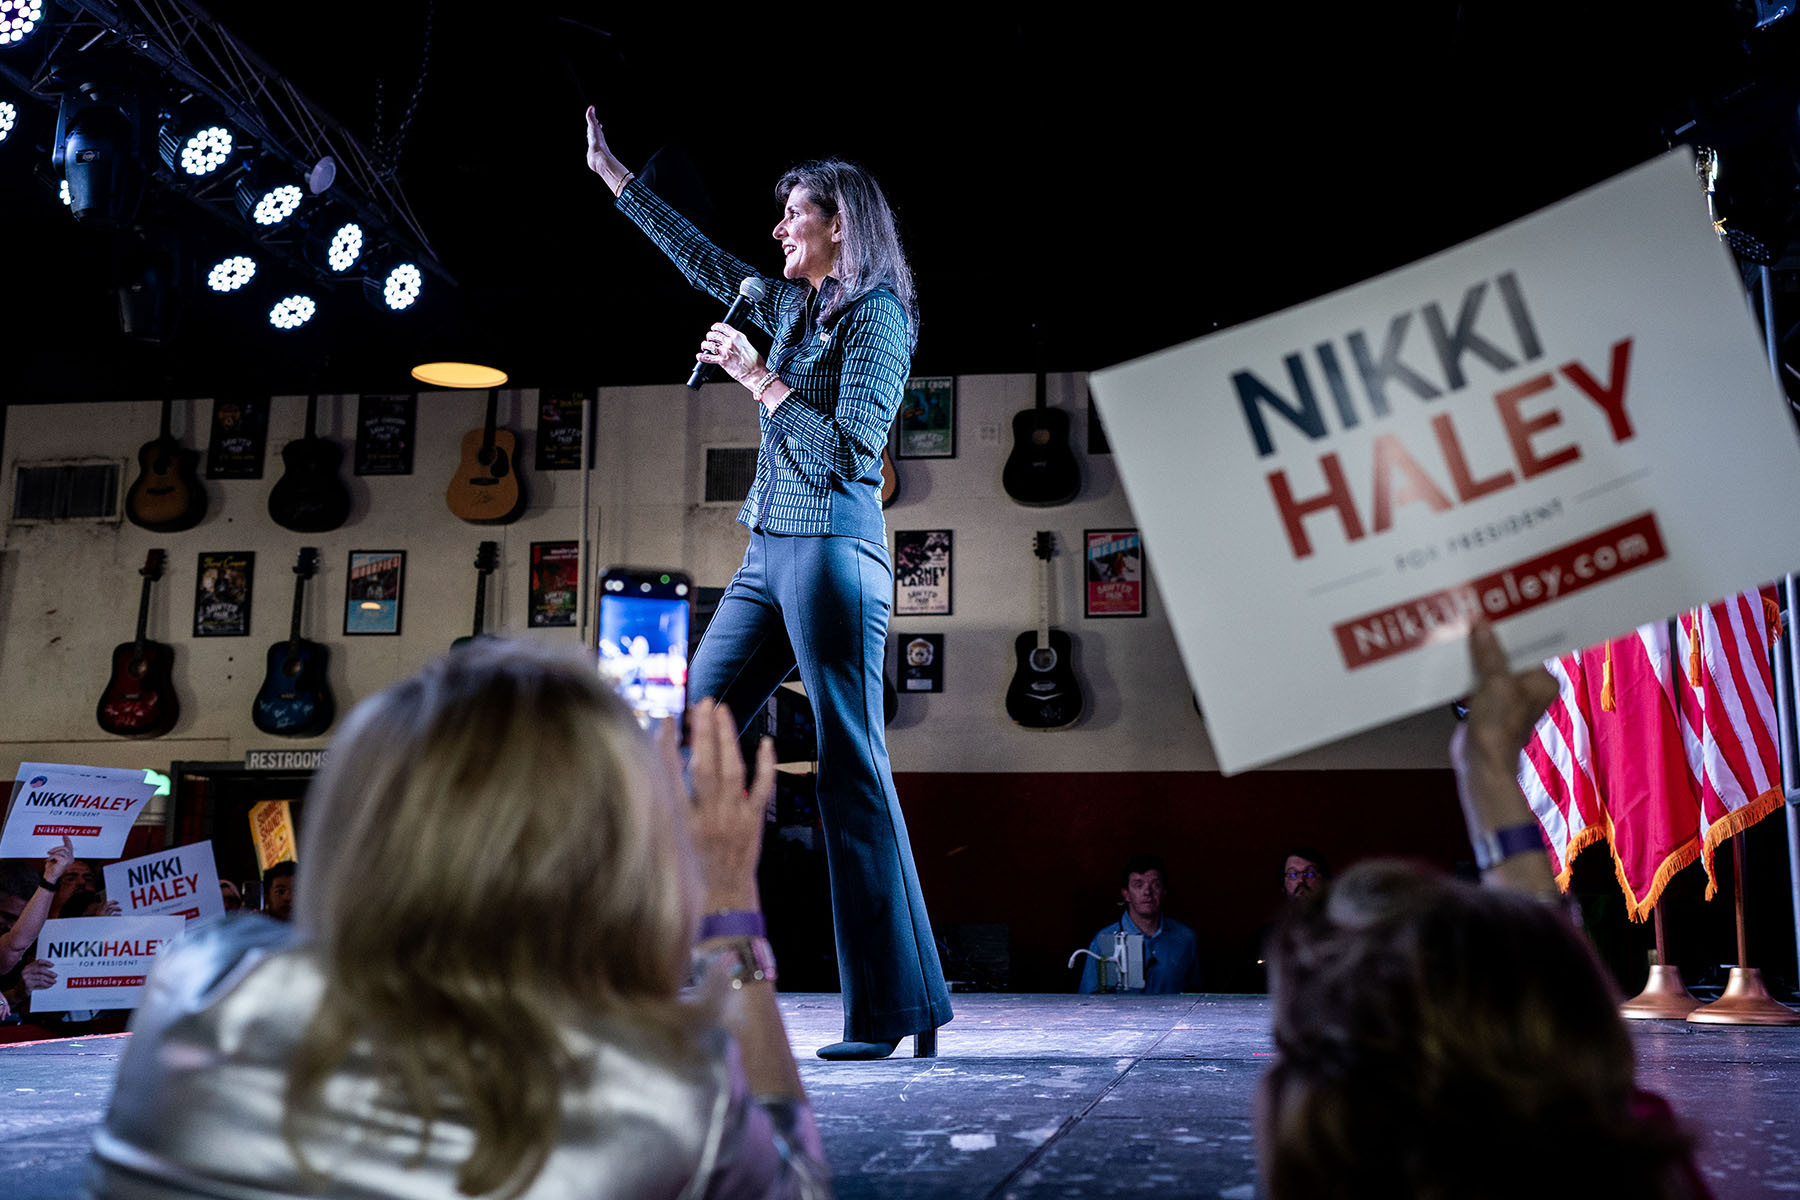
922, 572
554, 568
928, 418
384, 434
222, 594
559, 430
1114, 574
240, 429
372, 591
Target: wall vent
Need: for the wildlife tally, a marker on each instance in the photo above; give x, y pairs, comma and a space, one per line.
72, 490
730, 470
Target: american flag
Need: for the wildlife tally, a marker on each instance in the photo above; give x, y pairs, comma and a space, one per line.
1662, 755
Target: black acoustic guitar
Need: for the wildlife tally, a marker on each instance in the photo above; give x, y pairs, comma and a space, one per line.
309, 497
295, 699
139, 700
486, 488
487, 557
1044, 693
166, 496
1041, 470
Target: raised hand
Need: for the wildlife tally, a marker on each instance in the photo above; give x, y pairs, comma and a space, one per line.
58, 860
727, 817
600, 158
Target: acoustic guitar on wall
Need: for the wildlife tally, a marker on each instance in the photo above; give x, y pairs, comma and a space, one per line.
295, 698
487, 557
166, 496
1041, 470
309, 497
1044, 693
139, 700
485, 488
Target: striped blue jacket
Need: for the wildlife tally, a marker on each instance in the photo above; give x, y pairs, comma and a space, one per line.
818, 468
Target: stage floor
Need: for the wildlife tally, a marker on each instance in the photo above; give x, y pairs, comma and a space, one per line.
1044, 1096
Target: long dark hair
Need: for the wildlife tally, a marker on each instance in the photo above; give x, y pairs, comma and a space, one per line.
1422, 1025
870, 255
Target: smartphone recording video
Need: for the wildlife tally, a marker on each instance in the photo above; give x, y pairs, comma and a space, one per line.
642, 639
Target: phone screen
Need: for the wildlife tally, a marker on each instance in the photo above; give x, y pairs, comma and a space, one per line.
642, 641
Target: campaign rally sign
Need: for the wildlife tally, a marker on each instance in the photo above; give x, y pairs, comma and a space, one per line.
100, 962
1567, 425
183, 882
94, 807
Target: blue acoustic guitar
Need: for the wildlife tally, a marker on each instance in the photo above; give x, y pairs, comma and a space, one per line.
295, 700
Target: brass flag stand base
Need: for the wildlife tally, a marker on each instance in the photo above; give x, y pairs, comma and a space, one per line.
1664, 996
1745, 1002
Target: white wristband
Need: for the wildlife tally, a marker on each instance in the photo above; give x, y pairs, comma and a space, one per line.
762, 385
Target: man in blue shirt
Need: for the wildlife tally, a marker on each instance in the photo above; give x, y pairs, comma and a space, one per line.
1171, 952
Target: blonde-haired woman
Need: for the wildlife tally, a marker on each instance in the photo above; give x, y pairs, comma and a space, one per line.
480, 994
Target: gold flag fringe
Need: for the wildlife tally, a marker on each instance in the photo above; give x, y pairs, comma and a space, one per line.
1732, 824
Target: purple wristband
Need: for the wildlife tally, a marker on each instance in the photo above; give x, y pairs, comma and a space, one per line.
743, 923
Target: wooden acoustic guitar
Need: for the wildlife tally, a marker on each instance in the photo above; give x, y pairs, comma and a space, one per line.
1044, 693
890, 478
139, 700
1041, 470
487, 557
295, 698
485, 488
309, 497
166, 496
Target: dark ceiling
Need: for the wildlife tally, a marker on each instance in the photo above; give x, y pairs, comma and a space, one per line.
1119, 186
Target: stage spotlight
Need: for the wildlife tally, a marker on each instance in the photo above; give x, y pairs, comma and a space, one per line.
194, 147
230, 274
346, 246
62, 193
18, 18
334, 240
291, 312
266, 198
9, 116
96, 151
394, 284
400, 287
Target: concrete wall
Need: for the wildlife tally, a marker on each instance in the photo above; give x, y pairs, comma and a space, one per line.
68, 592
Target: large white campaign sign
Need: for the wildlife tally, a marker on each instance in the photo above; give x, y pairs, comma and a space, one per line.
100, 962
94, 807
183, 882
1567, 425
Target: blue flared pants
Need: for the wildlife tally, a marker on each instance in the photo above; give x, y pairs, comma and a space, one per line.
822, 603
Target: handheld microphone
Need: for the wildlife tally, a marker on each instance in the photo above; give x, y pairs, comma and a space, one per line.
749, 292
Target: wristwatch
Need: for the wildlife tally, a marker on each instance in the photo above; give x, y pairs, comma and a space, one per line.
1494, 847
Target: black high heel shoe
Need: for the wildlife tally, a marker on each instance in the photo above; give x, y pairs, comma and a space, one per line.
924, 1046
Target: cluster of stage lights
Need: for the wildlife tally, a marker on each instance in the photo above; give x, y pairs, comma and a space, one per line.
200, 150
18, 18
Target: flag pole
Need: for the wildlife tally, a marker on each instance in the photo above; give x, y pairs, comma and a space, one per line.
1664, 995
1746, 1001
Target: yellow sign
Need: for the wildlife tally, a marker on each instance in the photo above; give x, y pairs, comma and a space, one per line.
272, 828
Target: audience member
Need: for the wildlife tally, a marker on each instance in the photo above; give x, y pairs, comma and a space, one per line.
278, 891
1304, 874
1171, 951
481, 991
1437, 1038
1304, 871
81, 876
24, 921
229, 893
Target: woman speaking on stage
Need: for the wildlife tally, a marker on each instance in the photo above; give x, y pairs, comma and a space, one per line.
815, 586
